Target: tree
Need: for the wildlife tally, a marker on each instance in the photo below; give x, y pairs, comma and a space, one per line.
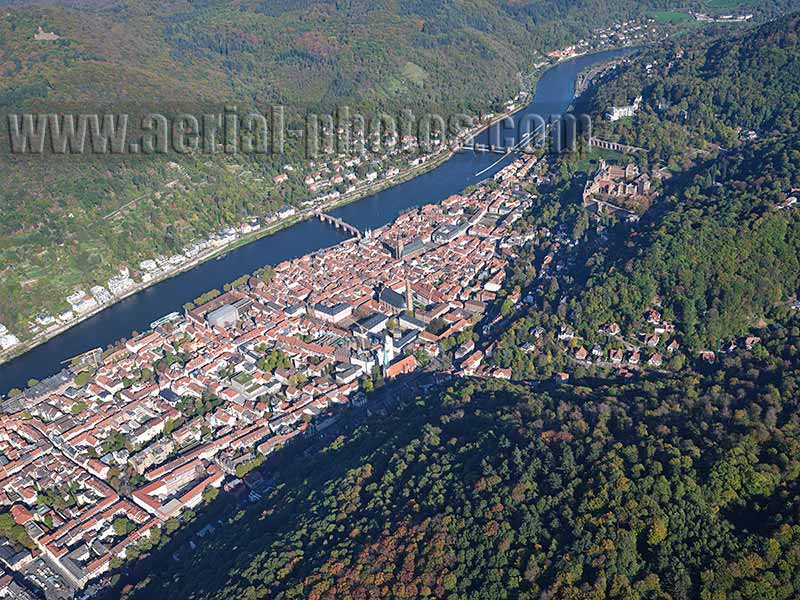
82, 378
210, 494
657, 532
123, 526
267, 274
171, 525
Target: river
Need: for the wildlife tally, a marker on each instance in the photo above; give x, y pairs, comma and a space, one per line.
554, 93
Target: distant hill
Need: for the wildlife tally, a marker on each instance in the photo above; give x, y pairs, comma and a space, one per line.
310, 54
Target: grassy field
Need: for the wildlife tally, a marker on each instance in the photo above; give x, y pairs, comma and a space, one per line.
588, 164
670, 16
726, 5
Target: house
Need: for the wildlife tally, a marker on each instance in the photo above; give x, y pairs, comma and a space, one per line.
565, 334
410, 322
656, 360
472, 362
374, 324
332, 314
348, 374
616, 356
20, 514
620, 112
651, 340
708, 356
673, 346
286, 211
582, 353
752, 341
464, 349
502, 374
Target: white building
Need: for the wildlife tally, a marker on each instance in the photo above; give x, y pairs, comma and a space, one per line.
101, 294
620, 112
45, 319
120, 284
82, 302
7, 340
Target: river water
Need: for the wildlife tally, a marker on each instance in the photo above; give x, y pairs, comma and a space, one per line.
554, 93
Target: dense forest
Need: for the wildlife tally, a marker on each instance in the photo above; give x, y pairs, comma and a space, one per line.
719, 253
677, 487
719, 258
703, 91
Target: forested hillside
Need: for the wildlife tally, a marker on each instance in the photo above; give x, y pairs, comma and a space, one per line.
719, 257
680, 487
698, 92
718, 254
310, 54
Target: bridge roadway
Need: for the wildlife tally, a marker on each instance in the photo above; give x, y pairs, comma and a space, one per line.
495, 149
339, 224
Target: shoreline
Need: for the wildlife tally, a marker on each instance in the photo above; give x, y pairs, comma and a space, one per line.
355, 196
434, 162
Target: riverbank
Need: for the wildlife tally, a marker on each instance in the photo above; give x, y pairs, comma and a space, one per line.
405, 175
433, 161
369, 207
214, 253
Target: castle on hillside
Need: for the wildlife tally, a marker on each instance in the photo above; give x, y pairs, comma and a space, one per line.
618, 187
